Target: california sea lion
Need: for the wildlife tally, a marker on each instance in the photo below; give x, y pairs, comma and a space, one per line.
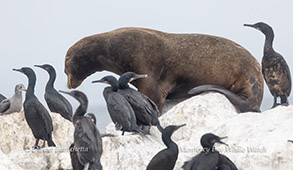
175, 63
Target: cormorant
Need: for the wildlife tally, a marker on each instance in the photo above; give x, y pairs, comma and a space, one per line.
209, 158
145, 109
290, 141
166, 158
2, 97
13, 104
55, 101
88, 143
274, 67
36, 115
118, 107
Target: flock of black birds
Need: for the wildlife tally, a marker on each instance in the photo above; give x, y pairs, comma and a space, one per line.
130, 111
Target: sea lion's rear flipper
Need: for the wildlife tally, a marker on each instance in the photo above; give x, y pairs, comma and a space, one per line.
241, 104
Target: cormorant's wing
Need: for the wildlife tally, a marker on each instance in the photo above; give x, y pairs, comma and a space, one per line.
45, 116
85, 136
74, 159
159, 161
4, 105
57, 103
286, 71
203, 161
225, 160
120, 110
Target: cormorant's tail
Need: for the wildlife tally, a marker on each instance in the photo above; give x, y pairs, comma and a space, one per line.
290, 141
140, 131
238, 102
50, 142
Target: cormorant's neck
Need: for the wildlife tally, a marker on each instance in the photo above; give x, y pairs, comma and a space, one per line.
268, 47
168, 142
80, 111
52, 77
123, 86
31, 84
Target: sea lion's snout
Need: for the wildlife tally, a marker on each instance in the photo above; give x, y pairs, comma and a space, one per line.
72, 83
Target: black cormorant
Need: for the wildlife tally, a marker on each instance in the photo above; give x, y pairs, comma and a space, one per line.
118, 107
209, 158
166, 158
88, 143
36, 115
145, 109
13, 104
274, 67
55, 101
2, 97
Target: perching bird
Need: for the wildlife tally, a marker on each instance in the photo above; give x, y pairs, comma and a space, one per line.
166, 158
2, 97
55, 101
36, 115
274, 67
209, 158
145, 109
13, 104
86, 135
118, 107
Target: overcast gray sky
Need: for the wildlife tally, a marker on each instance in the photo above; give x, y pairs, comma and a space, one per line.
39, 32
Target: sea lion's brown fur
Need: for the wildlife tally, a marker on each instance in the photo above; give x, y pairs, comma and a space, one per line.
175, 63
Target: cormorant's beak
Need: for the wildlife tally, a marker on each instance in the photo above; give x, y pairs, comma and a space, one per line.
250, 25
221, 142
99, 81
19, 70
177, 127
41, 66
138, 76
65, 92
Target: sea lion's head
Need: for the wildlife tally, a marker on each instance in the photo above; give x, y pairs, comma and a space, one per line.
82, 59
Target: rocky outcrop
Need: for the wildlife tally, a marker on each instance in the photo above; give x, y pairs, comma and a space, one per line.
17, 140
256, 140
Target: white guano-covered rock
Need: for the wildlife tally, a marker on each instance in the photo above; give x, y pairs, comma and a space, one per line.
256, 141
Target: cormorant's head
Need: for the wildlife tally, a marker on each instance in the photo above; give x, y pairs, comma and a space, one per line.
263, 27
92, 117
78, 95
128, 77
169, 130
27, 71
208, 140
109, 80
19, 88
46, 67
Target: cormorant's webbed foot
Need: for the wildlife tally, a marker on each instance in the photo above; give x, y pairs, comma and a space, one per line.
36, 147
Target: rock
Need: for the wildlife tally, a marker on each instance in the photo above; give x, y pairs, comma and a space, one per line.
6, 163
17, 140
256, 140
